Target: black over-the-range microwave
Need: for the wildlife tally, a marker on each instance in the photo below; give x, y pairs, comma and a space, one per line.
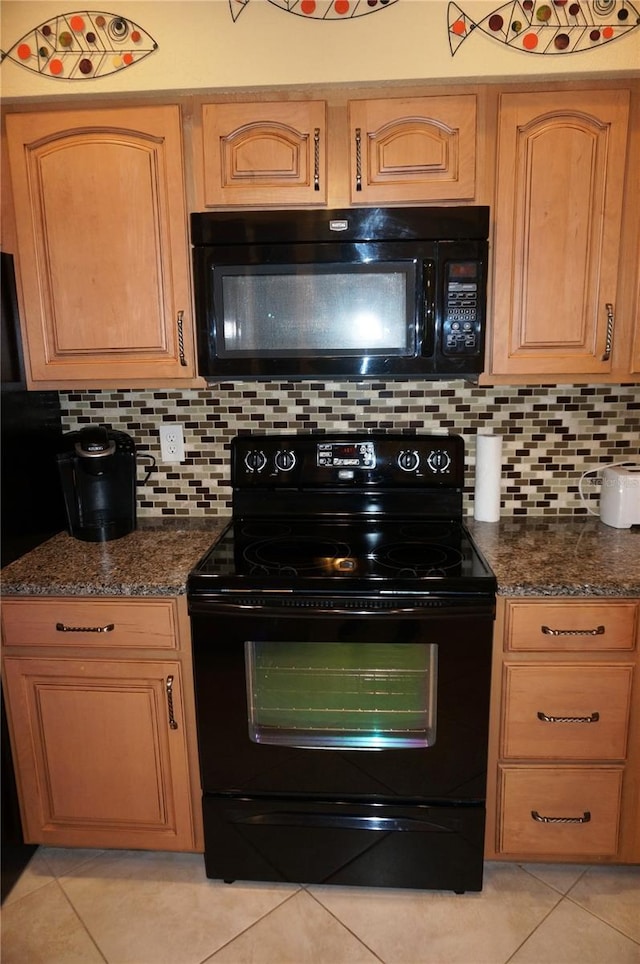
352, 293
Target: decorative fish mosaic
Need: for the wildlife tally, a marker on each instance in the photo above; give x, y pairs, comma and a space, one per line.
549, 27
320, 9
82, 45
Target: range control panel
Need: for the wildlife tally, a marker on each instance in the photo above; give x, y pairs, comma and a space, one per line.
376, 460
461, 324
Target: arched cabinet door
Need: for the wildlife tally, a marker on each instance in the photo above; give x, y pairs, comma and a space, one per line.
103, 252
413, 149
558, 212
265, 154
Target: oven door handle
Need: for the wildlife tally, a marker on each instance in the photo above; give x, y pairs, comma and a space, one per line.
330, 607
281, 818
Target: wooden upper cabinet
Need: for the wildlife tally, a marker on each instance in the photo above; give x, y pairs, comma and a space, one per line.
258, 154
558, 211
410, 150
103, 252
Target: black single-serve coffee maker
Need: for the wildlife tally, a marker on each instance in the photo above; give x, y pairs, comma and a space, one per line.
98, 474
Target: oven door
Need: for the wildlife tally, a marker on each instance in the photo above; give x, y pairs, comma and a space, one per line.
390, 704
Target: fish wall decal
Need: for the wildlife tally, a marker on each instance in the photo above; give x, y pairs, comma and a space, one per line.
81, 45
550, 26
319, 9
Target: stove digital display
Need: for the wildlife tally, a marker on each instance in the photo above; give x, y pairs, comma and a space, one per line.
360, 455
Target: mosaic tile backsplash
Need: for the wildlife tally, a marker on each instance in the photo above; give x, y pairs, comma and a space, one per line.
551, 436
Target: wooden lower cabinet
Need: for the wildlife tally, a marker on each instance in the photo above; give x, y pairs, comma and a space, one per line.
564, 753
559, 812
103, 742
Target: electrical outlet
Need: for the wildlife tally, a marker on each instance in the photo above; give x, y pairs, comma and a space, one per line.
171, 442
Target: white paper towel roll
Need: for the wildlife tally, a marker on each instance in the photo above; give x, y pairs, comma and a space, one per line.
486, 506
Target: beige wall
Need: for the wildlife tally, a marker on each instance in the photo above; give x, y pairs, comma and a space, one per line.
201, 47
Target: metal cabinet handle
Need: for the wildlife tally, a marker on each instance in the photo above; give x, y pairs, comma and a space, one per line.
568, 719
358, 159
609, 338
169, 688
316, 159
180, 323
585, 818
61, 628
598, 631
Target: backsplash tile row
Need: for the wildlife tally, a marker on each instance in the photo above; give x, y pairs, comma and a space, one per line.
551, 435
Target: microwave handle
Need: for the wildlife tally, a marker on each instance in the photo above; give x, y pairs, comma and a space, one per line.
429, 294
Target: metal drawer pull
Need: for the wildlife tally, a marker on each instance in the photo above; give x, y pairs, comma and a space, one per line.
61, 628
609, 336
358, 159
598, 631
568, 719
169, 688
316, 159
585, 818
180, 324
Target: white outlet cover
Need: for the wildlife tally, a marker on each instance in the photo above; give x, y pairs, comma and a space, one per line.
171, 442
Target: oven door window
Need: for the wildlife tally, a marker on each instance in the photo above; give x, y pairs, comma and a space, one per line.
325, 309
344, 695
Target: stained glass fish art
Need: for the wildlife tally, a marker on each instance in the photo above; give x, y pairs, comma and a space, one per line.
550, 26
319, 9
82, 45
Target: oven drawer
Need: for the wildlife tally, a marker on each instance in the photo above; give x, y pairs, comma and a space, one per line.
559, 811
566, 712
570, 626
350, 844
114, 623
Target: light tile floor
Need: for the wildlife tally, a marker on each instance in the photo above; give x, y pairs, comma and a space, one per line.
126, 907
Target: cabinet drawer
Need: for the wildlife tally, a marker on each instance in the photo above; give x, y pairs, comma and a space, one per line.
112, 623
570, 626
559, 811
566, 711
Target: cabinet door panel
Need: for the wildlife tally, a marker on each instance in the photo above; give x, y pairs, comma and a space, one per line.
80, 623
559, 812
103, 248
560, 179
571, 625
413, 149
97, 761
569, 711
265, 153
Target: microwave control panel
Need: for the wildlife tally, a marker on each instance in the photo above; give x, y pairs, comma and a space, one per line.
461, 314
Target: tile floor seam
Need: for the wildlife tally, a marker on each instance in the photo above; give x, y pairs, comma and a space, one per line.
551, 910
346, 927
258, 920
552, 886
82, 923
603, 920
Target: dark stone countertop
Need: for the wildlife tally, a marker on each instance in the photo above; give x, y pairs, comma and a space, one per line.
155, 560
560, 556
540, 556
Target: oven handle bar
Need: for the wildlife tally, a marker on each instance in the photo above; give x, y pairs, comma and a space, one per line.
341, 821
379, 607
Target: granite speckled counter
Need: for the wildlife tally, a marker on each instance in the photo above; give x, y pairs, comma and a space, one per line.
560, 556
541, 556
152, 561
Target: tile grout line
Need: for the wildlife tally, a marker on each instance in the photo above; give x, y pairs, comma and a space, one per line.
346, 927
603, 920
246, 929
540, 922
82, 923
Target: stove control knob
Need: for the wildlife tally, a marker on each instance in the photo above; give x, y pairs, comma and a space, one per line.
439, 460
285, 460
409, 460
255, 460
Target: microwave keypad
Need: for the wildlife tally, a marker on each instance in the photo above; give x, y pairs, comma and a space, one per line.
461, 323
